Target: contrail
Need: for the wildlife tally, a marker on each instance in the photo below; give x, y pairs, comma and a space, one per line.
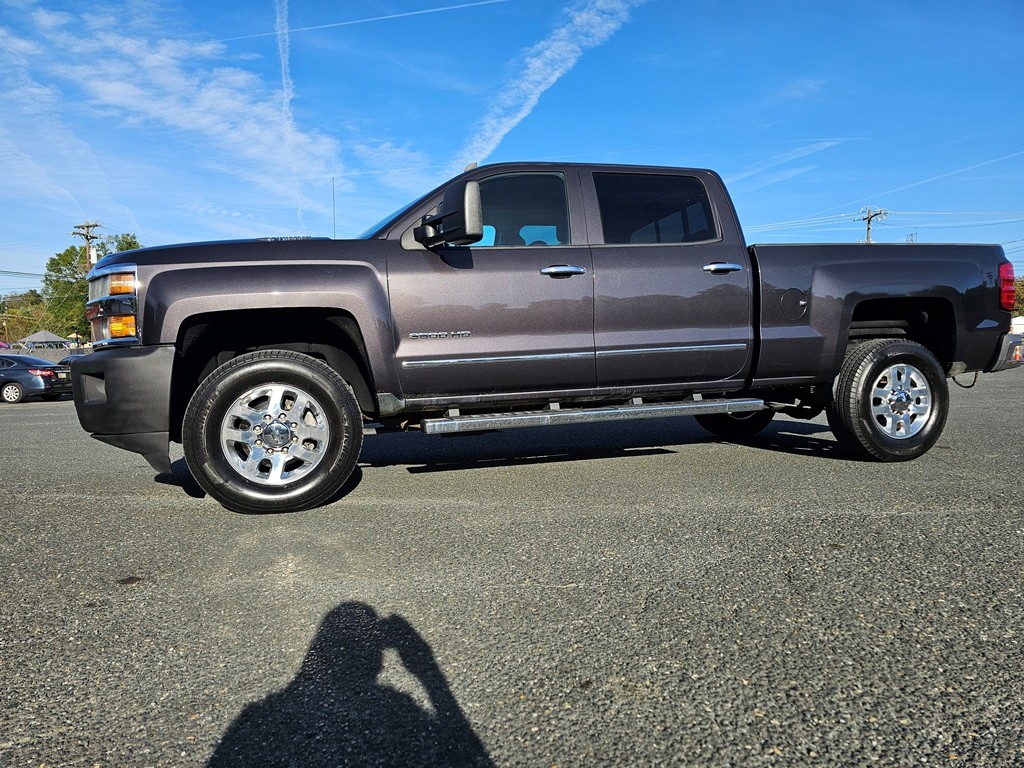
782, 159
922, 182
287, 94
589, 24
366, 21
951, 173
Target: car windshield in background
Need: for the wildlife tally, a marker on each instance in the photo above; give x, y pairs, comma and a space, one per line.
29, 360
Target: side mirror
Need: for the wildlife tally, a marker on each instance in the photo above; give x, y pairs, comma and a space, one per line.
460, 221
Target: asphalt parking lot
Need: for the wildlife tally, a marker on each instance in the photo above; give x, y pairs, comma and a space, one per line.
629, 594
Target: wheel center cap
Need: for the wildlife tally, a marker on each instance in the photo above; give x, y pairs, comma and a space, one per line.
900, 401
277, 435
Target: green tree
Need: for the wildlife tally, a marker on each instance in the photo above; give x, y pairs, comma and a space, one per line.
22, 314
65, 289
126, 241
1018, 309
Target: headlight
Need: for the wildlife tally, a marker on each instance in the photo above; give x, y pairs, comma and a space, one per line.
113, 305
118, 283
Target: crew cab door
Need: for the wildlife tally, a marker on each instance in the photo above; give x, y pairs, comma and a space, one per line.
672, 290
512, 312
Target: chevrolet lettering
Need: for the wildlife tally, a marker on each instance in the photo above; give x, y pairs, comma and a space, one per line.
441, 335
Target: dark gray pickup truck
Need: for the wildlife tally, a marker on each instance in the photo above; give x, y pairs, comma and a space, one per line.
520, 295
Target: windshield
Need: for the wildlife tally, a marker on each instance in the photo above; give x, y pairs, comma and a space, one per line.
30, 360
381, 227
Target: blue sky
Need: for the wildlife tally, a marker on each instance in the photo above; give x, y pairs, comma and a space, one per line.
183, 121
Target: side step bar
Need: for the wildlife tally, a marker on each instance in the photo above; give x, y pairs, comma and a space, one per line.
635, 409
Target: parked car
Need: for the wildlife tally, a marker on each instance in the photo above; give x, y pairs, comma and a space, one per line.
73, 356
24, 376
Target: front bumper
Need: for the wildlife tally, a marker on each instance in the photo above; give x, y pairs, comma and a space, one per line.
123, 398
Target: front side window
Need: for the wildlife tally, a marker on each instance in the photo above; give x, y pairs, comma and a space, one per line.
653, 208
524, 209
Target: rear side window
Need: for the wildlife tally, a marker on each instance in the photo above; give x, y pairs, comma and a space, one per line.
654, 208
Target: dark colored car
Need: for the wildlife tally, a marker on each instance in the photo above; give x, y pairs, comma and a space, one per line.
24, 376
72, 357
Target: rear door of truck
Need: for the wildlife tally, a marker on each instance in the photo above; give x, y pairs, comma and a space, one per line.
672, 279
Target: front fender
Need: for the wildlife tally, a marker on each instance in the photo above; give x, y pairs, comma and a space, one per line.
175, 295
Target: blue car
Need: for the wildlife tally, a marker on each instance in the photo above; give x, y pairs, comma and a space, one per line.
24, 376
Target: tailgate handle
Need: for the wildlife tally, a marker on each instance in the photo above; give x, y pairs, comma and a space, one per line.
722, 267
563, 270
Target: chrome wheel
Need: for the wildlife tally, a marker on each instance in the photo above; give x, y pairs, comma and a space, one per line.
901, 401
275, 434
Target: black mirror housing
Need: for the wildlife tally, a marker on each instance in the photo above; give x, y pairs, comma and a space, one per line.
460, 221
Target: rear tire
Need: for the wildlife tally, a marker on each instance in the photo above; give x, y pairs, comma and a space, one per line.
12, 392
272, 431
736, 426
889, 401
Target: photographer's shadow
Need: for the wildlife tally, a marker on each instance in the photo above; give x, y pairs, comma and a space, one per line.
336, 712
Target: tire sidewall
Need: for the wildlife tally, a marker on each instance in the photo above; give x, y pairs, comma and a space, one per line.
211, 402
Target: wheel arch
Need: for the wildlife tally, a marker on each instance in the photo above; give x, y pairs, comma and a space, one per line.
207, 341
931, 322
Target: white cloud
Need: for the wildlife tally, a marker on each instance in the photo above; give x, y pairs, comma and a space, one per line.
587, 24
45, 19
797, 90
238, 123
16, 51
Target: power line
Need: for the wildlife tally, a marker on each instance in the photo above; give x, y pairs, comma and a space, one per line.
799, 223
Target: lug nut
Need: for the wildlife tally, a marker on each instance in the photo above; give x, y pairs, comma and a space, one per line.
259, 442
283, 417
268, 418
258, 430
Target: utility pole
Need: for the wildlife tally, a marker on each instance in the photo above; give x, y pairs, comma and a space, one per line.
869, 215
84, 231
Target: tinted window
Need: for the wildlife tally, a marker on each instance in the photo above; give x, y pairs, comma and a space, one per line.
524, 209
648, 208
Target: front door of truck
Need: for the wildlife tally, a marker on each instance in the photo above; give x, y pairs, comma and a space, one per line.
513, 312
672, 294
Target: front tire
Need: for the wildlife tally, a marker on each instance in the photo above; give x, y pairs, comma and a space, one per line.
272, 431
890, 400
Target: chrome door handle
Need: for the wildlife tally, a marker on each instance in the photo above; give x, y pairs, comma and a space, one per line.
722, 267
563, 270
